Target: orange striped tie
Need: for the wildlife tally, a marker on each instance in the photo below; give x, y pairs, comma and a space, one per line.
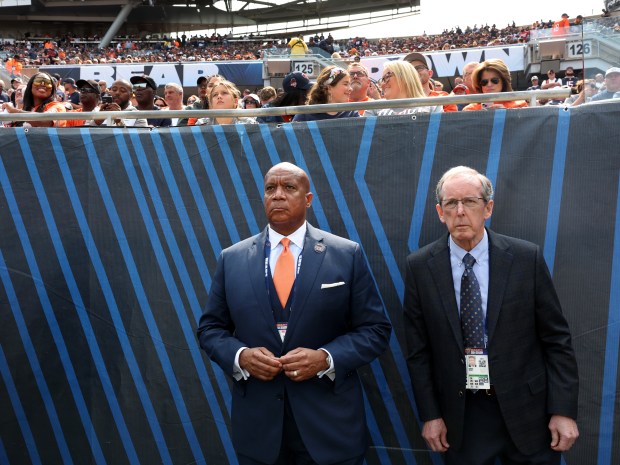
284, 274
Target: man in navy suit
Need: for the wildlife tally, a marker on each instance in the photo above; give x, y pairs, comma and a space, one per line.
489, 354
297, 398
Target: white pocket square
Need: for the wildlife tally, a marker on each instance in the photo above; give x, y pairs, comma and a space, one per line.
328, 285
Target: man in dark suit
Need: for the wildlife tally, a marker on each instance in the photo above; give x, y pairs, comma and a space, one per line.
489, 354
293, 349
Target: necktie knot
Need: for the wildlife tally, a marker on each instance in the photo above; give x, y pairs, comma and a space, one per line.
468, 261
285, 242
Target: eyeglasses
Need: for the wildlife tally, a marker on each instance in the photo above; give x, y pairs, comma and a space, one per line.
421, 68
88, 90
485, 82
251, 102
468, 202
385, 78
357, 74
42, 82
140, 85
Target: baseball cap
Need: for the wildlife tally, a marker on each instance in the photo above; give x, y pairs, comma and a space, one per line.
534, 78
612, 70
81, 83
16, 80
296, 81
69, 81
144, 78
201, 79
564, 15
415, 56
460, 88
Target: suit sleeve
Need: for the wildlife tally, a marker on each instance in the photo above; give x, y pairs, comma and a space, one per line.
554, 335
419, 356
370, 328
216, 328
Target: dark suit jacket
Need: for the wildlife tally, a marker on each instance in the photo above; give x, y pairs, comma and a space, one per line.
349, 321
531, 360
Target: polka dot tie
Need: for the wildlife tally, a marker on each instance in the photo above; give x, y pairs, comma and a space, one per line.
472, 321
284, 273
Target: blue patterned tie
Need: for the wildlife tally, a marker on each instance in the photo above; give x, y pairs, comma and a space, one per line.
472, 321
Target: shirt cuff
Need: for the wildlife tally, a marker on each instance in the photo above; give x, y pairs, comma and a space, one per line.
331, 371
238, 372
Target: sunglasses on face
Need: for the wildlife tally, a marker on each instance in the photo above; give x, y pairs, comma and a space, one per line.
42, 82
485, 82
421, 68
87, 90
140, 86
251, 102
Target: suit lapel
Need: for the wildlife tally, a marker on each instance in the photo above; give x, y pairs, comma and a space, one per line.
312, 257
441, 270
256, 273
500, 261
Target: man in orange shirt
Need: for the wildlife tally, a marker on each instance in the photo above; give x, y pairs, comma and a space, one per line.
418, 61
359, 84
14, 67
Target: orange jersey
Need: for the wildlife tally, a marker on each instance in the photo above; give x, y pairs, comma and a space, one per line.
54, 107
442, 93
516, 104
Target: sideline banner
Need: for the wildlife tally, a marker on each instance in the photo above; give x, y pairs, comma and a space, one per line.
109, 239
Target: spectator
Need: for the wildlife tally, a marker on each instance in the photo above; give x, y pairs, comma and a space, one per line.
121, 92
39, 97
490, 77
267, 95
418, 61
192, 99
551, 81
103, 86
14, 66
612, 85
460, 89
90, 97
15, 83
298, 46
333, 85
360, 84
400, 80
72, 96
582, 93
173, 94
4, 97
205, 85
599, 81
160, 102
250, 101
569, 77
144, 88
535, 85
224, 96
468, 70
296, 86
18, 95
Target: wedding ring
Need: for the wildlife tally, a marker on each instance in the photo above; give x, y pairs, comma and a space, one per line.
295, 374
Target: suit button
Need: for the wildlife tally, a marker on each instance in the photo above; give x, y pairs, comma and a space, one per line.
460, 393
463, 361
279, 397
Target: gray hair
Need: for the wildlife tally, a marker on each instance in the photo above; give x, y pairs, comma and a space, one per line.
175, 86
458, 171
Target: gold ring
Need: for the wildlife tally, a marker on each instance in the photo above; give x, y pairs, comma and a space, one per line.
295, 373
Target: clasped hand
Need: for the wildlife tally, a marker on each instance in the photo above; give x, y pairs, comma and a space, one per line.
299, 364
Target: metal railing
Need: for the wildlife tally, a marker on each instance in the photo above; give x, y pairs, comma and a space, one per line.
109, 116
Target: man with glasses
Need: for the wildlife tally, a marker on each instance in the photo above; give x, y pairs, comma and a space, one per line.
360, 83
477, 293
418, 61
145, 88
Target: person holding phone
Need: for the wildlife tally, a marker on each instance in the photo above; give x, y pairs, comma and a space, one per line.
493, 77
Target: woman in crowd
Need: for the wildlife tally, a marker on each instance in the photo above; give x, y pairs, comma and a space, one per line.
250, 102
332, 86
400, 80
296, 86
225, 96
585, 90
40, 97
492, 77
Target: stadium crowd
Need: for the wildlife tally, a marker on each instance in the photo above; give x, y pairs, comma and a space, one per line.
410, 77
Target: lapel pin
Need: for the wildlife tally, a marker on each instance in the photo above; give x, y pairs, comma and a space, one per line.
319, 248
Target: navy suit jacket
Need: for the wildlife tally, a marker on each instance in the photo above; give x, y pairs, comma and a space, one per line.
531, 360
348, 320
